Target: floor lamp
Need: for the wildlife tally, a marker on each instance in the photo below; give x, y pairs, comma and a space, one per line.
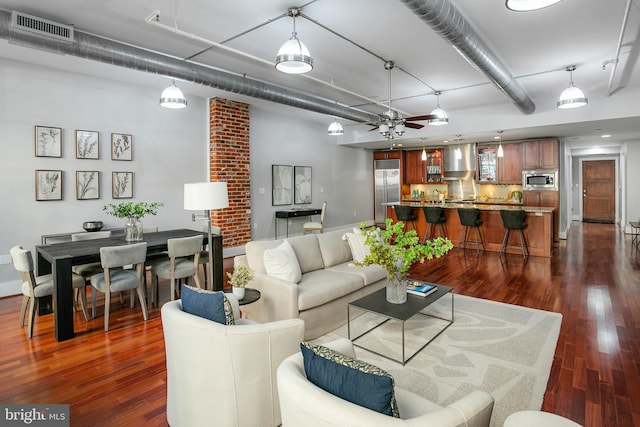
206, 196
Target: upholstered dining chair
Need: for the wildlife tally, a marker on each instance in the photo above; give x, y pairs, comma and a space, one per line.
184, 256
116, 279
41, 286
89, 269
310, 227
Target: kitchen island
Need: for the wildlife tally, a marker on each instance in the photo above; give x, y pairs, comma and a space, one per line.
539, 231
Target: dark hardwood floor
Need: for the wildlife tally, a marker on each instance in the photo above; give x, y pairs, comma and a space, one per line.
118, 378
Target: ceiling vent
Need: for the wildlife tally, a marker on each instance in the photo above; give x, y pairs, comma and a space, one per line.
41, 27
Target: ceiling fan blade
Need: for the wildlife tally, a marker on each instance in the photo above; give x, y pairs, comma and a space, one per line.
374, 128
417, 118
413, 125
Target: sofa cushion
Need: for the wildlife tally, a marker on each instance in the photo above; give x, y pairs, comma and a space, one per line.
323, 286
334, 250
350, 379
254, 251
369, 273
308, 252
282, 263
207, 304
356, 241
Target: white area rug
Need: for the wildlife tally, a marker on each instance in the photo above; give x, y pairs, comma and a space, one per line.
504, 349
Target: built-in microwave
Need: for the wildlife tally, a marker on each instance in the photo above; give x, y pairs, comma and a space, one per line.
540, 180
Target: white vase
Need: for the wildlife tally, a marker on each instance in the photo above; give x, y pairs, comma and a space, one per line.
396, 290
238, 292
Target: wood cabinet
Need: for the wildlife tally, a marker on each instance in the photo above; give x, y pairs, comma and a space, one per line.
500, 170
547, 199
384, 155
541, 154
418, 171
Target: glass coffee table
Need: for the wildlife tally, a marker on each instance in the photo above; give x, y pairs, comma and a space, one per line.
377, 304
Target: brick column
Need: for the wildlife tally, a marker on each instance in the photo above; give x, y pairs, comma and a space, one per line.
229, 151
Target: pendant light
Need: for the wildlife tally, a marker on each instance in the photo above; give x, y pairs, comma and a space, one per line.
572, 97
293, 56
424, 154
441, 115
527, 5
500, 150
172, 97
335, 128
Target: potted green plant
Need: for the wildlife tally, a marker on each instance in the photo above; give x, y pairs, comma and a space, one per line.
133, 212
396, 251
240, 277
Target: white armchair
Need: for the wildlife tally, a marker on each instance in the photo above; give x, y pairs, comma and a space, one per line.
304, 404
224, 375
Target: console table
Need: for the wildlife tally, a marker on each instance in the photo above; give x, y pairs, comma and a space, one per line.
294, 213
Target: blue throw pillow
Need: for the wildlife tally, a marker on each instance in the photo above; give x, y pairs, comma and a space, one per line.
210, 305
350, 379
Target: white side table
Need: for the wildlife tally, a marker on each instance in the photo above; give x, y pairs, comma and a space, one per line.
537, 419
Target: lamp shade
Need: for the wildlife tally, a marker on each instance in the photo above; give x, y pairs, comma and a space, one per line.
335, 128
572, 97
172, 97
294, 57
199, 196
527, 5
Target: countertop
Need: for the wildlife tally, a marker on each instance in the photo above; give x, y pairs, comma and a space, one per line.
481, 206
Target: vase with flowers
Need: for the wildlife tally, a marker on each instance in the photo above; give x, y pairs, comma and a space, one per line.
133, 212
239, 278
396, 251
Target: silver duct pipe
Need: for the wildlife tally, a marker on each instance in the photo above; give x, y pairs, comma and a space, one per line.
88, 46
443, 18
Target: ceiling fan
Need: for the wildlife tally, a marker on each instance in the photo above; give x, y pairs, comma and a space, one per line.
391, 123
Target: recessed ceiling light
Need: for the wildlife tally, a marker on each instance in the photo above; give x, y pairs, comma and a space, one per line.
606, 135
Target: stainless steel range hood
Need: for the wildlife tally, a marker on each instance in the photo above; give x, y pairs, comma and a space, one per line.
459, 161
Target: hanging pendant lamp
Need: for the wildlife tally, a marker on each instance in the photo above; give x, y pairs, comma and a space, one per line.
441, 115
500, 150
527, 5
293, 56
172, 97
335, 128
572, 97
424, 154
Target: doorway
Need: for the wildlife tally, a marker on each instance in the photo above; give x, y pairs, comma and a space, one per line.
598, 191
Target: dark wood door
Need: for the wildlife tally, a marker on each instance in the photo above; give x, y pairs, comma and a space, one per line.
598, 191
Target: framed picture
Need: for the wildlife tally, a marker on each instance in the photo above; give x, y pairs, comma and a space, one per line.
48, 141
121, 146
302, 185
48, 184
87, 185
87, 144
122, 185
281, 181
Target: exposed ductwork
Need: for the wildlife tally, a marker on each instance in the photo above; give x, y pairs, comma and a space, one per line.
444, 19
88, 46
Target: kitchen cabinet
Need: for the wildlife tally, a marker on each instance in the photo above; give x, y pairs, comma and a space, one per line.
500, 170
547, 199
541, 154
418, 171
385, 155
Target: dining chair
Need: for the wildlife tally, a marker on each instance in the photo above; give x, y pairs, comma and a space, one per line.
89, 269
310, 227
184, 256
116, 279
34, 287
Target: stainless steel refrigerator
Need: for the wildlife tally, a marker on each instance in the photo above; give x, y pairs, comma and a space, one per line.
387, 181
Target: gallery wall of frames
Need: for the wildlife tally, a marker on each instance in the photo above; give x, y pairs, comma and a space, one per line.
49, 182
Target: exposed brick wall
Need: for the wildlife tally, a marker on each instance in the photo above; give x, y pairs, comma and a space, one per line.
230, 161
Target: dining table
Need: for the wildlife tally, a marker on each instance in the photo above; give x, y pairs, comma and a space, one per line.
58, 260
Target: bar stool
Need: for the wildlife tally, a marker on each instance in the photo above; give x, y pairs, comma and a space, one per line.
435, 220
404, 214
514, 220
470, 218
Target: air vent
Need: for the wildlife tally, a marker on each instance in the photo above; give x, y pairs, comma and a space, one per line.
41, 27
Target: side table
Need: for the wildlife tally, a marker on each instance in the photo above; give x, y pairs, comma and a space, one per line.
250, 295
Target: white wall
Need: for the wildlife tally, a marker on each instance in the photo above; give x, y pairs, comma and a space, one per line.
170, 148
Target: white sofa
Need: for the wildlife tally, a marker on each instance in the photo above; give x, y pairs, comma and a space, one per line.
224, 375
304, 404
329, 282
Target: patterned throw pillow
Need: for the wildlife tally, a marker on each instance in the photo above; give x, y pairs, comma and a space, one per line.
208, 304
350, 379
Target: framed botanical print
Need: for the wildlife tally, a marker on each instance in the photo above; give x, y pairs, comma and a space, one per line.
122, 185
48, 141
121, 146
281, 181
302, 185
48, 185
87, 185
87, 144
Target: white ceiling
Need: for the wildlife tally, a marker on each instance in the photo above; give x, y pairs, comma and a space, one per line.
534, 46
